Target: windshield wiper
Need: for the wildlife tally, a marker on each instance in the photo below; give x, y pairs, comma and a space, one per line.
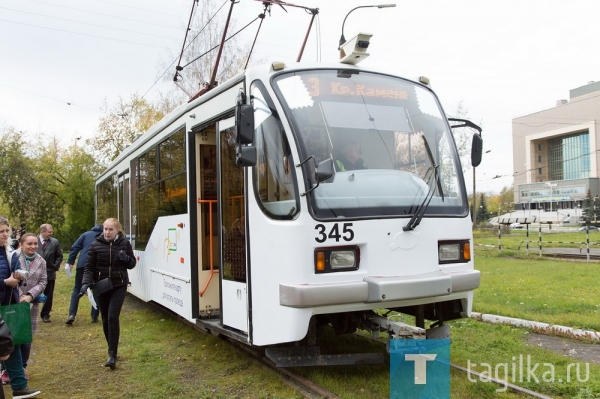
420, 211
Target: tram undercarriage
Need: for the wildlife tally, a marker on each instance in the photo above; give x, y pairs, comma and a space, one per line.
388, 321
307, 352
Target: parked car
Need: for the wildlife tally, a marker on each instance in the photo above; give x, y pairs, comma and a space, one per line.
516, 225
584, 228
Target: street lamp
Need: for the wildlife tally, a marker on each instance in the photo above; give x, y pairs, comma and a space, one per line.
342, 38
551, 186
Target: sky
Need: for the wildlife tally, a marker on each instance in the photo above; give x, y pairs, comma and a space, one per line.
61, 61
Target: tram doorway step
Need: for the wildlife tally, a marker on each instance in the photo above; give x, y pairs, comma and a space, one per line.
300, 356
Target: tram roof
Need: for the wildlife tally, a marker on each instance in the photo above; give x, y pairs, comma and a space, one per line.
261, 71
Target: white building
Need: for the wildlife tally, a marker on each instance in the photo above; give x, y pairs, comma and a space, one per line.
556, 152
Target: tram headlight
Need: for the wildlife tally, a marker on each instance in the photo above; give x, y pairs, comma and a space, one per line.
342, 259
454, 251
337, 259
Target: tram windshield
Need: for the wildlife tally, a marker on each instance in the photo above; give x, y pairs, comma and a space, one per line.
376, 129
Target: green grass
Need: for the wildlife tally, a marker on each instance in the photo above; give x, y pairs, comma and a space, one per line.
494, 345
540, 289
473, 343
159, 357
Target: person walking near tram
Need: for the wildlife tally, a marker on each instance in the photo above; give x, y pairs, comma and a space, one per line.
109, 256
81, 247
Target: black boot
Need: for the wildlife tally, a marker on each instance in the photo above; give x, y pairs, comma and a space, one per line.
112, 361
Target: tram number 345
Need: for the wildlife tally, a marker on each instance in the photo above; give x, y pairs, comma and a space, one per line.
346, 233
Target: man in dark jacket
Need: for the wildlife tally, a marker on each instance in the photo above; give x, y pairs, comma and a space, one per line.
49, 249
81, 247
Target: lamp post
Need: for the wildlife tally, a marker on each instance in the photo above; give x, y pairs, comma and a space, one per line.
551, 186
342, 38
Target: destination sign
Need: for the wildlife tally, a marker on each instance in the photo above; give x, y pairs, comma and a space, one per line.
345, 87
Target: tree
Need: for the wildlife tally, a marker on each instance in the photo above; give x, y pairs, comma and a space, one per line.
463, 137
482, 212
588, 210
45, 183
79, 171
121, 125
21, 191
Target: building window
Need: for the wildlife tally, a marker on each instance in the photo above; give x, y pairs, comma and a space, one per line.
539, 158
539, 147
569, 157
539, 171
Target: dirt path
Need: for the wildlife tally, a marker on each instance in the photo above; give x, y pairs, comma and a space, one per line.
568, 347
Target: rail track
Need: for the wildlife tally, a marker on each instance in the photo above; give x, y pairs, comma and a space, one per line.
311, 390
581, 256
307, 388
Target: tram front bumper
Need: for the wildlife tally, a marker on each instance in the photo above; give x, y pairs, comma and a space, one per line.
378, 289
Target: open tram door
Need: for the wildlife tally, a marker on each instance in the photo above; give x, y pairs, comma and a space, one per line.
232, 217
207, 255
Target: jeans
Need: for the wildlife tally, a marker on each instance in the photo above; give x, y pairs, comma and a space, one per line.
49, 292
25, 351
110, 304
75, 295
14, 367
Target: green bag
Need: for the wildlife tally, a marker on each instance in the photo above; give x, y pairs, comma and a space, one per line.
18, 319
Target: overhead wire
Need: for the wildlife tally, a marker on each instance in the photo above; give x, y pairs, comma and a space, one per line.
186, 47
84, 34
138, 8
229, 38
106, 15
262, 18
178, 68
52, 98
87, 23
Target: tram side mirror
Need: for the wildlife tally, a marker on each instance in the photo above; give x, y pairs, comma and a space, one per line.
324, 170
476, 143
476, 149
245, 156
244, 124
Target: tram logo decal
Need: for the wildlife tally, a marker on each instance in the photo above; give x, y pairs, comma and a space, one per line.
420, 368
169, 243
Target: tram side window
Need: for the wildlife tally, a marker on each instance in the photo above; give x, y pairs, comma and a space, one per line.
161, 190
273, 175
106, 199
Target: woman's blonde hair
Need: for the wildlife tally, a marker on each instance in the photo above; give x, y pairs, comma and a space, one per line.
115, 222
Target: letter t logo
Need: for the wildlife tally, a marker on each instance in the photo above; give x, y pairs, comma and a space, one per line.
420, 366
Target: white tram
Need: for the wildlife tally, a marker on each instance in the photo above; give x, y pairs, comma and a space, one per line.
260, 230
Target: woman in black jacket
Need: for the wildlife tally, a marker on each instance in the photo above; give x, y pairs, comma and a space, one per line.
109, 256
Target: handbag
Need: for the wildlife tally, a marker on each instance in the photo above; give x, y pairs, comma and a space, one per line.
102, 287
18, 319
6, 341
